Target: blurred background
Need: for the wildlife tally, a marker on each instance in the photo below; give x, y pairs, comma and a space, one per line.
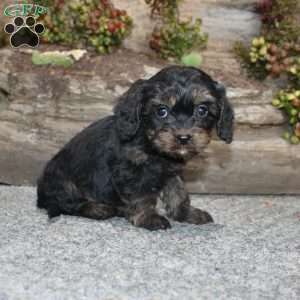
91, 51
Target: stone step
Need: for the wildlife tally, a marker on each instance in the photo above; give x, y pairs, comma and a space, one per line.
257, 162
38, 94
225, 21
42, 108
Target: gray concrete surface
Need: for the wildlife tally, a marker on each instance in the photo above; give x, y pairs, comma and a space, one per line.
251, 252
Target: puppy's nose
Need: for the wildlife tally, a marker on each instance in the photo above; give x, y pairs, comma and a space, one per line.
183, 139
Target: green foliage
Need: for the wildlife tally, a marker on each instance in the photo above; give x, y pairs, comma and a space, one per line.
273, 52
192, 60
254, 69
276, 52
163, 7
94, 23
265, 58
279, 20
289, 102
294, 72
51, 59
174, 38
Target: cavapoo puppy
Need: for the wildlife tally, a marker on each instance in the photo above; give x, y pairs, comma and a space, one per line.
129, 164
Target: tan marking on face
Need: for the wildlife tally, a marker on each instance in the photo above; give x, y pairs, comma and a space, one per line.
165, 141
156, 101
150, 133
201, 138
195, 93
172, 100
200, 95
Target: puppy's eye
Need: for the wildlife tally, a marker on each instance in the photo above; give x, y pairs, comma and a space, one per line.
202, 110
162, 112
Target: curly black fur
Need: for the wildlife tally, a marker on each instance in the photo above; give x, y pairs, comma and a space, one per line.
129, 164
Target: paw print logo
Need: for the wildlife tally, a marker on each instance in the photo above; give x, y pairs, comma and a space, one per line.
24, 31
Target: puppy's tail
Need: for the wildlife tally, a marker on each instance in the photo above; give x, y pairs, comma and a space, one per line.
43, 202
58, 197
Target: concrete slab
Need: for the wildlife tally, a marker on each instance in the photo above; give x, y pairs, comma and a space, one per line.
251, 252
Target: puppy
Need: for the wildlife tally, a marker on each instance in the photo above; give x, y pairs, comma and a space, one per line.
129, 164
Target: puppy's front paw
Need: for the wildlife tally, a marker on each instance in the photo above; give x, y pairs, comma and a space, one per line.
199, 217
152, 222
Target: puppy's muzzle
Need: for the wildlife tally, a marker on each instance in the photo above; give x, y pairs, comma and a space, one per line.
183, 139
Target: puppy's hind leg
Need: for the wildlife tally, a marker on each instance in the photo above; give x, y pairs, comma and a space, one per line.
178, 204
63, 197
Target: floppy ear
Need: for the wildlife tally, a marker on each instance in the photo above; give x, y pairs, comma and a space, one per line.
226, 117
129, 109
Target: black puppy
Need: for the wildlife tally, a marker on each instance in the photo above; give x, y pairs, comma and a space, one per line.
129, 164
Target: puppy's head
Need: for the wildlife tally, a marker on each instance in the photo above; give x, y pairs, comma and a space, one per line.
175, 111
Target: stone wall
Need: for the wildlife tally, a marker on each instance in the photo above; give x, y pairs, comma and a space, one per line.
41, 108
225, 21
